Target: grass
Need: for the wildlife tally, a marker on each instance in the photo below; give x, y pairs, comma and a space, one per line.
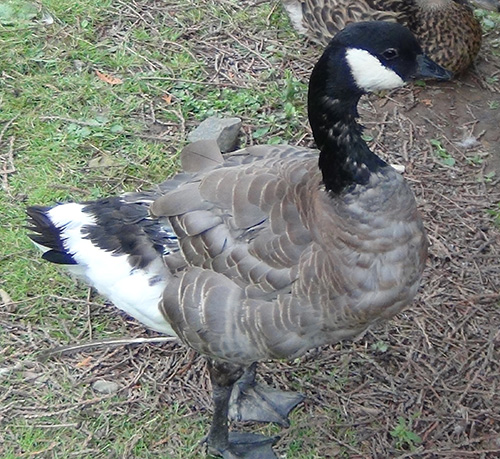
64, 121
495, 214
68, 134
441, 152
403, 435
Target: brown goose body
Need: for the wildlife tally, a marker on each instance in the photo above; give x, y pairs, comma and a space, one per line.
447, 29
266, 263
296, 268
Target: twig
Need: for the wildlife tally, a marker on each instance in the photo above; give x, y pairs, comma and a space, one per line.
68, 120
7, 125
8, 166
45, 355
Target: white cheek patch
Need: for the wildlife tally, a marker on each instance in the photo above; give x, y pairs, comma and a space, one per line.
369, 73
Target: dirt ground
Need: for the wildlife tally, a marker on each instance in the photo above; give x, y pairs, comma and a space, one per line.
439, 362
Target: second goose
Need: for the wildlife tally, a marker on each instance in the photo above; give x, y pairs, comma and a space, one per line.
447, 29
269, 251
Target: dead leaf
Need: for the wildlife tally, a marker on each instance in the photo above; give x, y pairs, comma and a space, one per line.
51, 86
5, 297
6, 301
167, 98
427, 102
110, 79
84, 363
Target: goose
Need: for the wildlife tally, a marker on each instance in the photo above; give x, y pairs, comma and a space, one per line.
268, 251
447, 29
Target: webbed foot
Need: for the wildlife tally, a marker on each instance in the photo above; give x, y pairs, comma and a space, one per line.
252, 402
257, 402
247, 446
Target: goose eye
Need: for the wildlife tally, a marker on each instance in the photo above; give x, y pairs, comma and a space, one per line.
390, 53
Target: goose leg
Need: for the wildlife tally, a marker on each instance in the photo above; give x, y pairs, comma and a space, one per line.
252, 401
220, 442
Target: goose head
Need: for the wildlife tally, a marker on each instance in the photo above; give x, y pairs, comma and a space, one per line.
372, 56
362, 58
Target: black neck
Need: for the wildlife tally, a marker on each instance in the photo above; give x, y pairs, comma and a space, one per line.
344, 158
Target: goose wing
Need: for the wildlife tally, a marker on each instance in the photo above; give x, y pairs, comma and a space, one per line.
274, 266
320, 20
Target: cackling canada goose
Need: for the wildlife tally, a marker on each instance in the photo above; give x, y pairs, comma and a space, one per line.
265, 253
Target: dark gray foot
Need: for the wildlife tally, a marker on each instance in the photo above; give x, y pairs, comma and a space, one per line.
256, 402
253, 402
247, 446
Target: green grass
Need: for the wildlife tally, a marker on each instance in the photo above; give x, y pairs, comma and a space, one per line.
441, 153
50, 439
404, 437
62, 116
71, 136
495, 214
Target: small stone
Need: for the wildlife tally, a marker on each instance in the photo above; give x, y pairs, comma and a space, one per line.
34, 377
224, 131
106, 387
78, 65
102, 161
399, 168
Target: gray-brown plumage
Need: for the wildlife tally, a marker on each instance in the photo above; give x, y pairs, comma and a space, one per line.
270, 252
447, 29
264, 253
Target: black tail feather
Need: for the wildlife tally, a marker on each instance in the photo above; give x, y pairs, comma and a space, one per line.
46, 234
